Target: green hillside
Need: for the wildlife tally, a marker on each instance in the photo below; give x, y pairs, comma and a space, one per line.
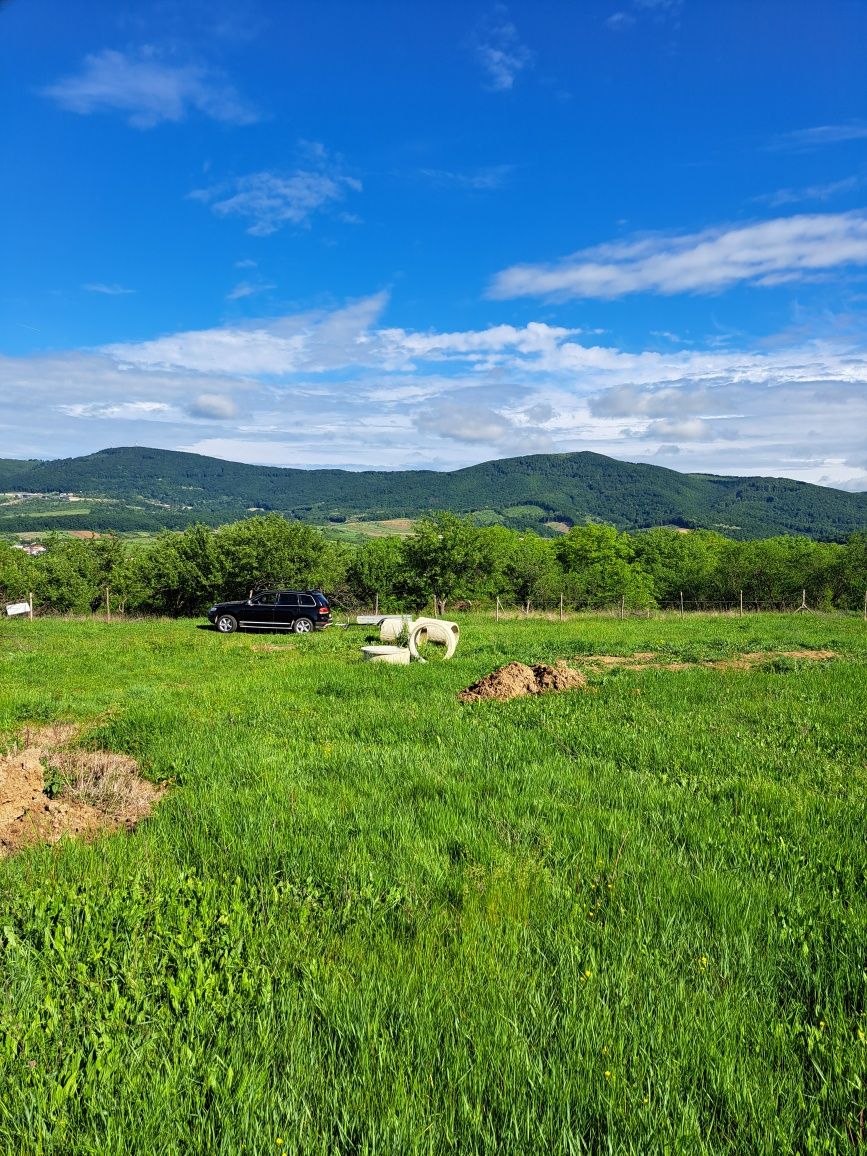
155, 488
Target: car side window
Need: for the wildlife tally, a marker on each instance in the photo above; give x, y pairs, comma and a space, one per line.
306, 600
266, 599
288, 600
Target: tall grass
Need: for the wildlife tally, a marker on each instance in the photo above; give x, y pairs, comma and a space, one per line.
367, 919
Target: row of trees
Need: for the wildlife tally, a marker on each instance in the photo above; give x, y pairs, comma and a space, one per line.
447, 558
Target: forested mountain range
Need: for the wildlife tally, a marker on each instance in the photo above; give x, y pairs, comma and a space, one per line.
144, 488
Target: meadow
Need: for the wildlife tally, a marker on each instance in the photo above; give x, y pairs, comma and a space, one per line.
367, 918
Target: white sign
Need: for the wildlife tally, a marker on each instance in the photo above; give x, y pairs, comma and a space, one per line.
17, 608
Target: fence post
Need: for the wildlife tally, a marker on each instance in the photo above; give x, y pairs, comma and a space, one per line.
30, 599
865, 605
742, 603
108, 604
376, 605
622, 605
681, 604
561, 605
498, 608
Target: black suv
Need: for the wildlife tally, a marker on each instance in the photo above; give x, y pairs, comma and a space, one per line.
298, 610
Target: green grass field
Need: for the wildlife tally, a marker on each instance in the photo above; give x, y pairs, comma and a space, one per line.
368, 919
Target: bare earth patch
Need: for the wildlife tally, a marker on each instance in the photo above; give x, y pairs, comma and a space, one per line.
516, 679
93, 791
648, 660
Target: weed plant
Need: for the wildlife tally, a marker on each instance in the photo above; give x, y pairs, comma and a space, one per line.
368, 919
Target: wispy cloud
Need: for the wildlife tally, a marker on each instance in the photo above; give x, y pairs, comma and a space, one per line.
149, 90
659, 9
818, 136
247, 289
108, 290
766, 253
270, 200
823, 192
478, 180
501, 53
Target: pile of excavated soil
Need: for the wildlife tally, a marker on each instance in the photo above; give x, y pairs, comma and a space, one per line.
516, 679
93, 791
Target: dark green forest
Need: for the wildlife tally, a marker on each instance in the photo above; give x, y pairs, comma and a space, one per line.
519, 493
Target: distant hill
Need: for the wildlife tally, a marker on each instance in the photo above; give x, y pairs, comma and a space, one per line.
147, 488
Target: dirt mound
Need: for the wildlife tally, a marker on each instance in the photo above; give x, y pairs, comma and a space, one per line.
48, 791
516, 679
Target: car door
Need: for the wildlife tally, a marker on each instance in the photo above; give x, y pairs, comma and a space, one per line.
286, 610
258, 614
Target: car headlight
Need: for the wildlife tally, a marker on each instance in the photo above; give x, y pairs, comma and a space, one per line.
213, 610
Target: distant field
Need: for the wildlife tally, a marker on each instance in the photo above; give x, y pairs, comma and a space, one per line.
356, 531
367, 918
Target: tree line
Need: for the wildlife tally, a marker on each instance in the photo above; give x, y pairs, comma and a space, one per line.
447, 559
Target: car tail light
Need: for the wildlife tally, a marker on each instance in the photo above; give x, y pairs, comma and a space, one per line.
323, 609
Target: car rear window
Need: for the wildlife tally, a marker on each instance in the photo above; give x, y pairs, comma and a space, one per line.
306, 600
288, 600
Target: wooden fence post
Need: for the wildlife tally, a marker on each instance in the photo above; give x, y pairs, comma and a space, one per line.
681, 604
108, 604
30, 598
561, 605
865, 605
622, 605
742, 603
498, 608
376, 605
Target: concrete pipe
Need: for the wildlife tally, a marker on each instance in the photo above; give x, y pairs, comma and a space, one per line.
391, 627
398, 655
447, 634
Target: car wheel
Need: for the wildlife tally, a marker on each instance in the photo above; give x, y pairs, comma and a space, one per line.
302, 626
226, 624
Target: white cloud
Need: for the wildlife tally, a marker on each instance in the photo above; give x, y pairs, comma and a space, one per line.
149, 90
215, 406
501, 53
271, 200
338, 388
688, 429
764, 253
108, 290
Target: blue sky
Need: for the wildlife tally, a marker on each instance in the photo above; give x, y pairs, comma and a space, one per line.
377, 234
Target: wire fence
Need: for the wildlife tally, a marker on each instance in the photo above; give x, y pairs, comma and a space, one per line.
505, 609
345, 605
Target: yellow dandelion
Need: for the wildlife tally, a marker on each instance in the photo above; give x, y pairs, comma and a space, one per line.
607, 1075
